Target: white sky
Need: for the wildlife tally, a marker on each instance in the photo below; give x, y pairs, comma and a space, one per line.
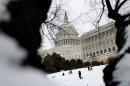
82, 8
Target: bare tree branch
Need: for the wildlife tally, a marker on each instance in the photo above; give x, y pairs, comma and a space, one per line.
100, 16
108, 5
117, 4
120, 5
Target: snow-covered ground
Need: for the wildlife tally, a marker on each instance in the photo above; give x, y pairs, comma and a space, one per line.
90, 78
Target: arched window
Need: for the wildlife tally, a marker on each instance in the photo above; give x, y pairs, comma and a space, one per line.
107, 32
64, 42
93, 53
86, 48
90, 54
71, 41
84, 55
89, 46
85, 41
99, 35
97, 52
103, 34
105, 50
111, 31
109, 49
59, 43
101, 52
95, 37
83, 48
113, 48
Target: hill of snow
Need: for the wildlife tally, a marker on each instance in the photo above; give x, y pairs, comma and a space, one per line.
90, 78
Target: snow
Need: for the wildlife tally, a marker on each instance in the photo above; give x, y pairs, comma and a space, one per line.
119, 74
18, 76
93, 77
11, 72
10, 51
127, 43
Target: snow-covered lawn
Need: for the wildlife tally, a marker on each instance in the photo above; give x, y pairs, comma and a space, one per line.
90, 78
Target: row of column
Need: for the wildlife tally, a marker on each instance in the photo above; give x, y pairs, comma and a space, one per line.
100, 52
67, 41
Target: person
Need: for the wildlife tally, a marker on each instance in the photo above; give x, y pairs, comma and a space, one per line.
70, 72
88, 67
79, 73
63, 74
91, 67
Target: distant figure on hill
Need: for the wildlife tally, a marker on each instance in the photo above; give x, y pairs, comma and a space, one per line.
89, 67
63, 74
70, 72
79, 73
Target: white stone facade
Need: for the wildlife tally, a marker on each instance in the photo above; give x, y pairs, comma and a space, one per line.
92, 45
99, 43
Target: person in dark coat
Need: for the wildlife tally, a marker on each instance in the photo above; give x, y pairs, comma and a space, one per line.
70, 72
79, 73
63, 74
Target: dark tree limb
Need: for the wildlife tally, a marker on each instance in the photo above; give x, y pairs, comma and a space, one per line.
123, 2
117, 4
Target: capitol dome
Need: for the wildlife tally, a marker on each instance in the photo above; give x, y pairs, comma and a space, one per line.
67, 34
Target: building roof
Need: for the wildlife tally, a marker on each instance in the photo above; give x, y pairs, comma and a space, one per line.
67, 28
99, 29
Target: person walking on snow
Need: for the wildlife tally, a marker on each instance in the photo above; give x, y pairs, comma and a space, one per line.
79, 73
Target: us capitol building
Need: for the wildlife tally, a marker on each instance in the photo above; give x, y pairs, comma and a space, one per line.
98, 44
